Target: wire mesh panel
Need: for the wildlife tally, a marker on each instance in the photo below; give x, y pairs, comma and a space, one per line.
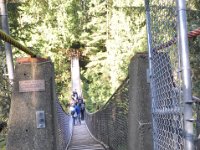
64, 128
110, 124
5, 97
195, 55
5, 87
193, 18
167, 108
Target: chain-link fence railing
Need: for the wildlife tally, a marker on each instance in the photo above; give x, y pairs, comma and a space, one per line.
64, 127
5, 97
110, 123
5, 91
169, 72
193, 19
194, 46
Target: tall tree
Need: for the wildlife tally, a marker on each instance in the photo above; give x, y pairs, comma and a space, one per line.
50, 27
114, 31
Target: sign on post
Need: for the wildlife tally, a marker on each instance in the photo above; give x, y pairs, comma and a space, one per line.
31, 85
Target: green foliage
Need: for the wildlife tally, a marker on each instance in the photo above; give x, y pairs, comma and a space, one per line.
113, 33
5, 91
2, 143
193, 15
194, 46
3, 134
49, 27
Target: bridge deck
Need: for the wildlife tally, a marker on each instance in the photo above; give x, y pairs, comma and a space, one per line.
82, 140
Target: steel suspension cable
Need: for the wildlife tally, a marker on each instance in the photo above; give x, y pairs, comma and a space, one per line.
7, 38
194, 33
190, 34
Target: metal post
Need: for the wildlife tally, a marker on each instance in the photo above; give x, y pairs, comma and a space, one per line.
187, 92
149, 36
150, 51
4, 22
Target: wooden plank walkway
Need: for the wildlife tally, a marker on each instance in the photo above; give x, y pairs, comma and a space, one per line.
82, 140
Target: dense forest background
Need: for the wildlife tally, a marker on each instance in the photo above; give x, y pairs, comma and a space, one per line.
110, 32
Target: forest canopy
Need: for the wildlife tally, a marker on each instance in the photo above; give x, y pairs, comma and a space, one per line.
110, 32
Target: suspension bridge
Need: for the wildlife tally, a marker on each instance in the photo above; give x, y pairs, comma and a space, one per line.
153, 109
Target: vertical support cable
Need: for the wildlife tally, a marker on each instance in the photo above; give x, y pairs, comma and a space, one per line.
150, 52
9, 57
187, 92
107, 19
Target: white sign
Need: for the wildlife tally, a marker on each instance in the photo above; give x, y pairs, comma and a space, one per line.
31, 85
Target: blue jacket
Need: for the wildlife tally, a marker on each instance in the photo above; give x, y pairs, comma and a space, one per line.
78, 109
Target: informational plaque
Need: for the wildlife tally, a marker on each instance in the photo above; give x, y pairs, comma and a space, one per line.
31, 85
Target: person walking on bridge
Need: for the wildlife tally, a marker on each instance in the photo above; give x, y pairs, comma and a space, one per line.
73, 113
82, 110
78, 111
75, 95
